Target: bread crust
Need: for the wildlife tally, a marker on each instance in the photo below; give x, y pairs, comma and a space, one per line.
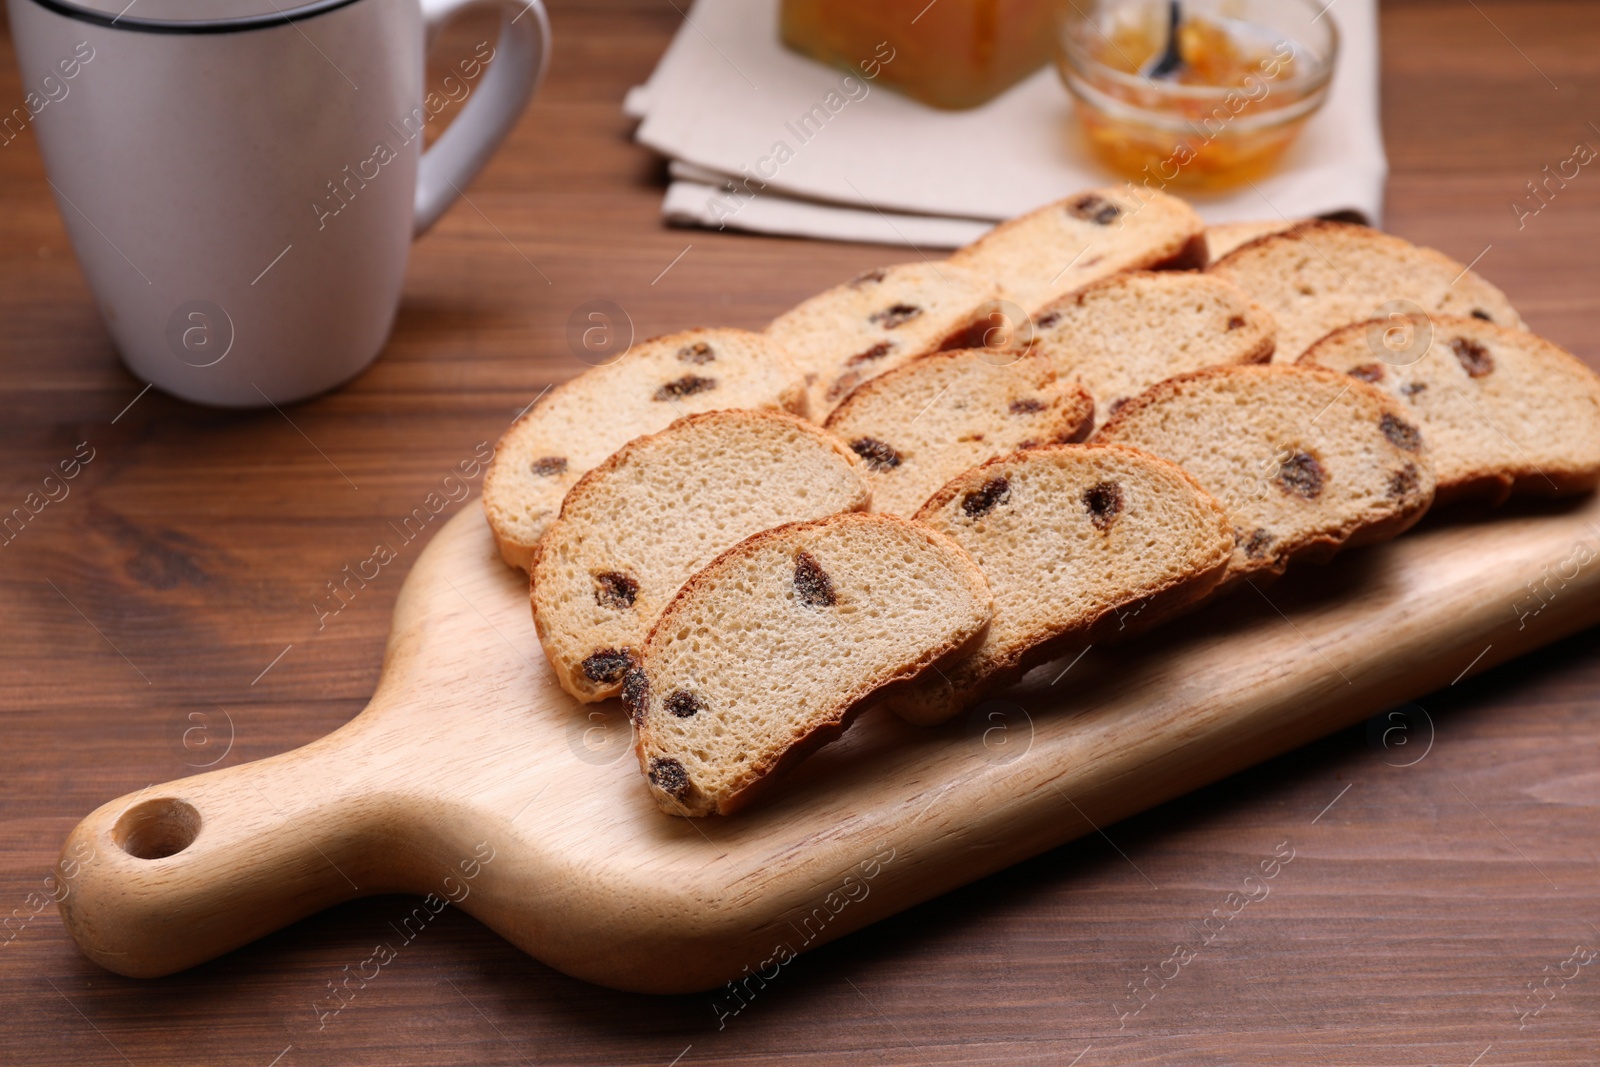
1298, 231
1309, 228
1228, 236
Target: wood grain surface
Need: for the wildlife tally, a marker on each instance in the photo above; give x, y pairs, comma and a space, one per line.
165, 615
473, 779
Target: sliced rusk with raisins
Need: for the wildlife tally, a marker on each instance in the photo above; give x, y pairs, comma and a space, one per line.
920, 425
1063, 246
1503, 411
878, 321
769, 651
662, 507
1074, 541
632, 390
1305, 460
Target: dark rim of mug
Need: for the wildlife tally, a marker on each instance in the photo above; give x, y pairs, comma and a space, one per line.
233, 25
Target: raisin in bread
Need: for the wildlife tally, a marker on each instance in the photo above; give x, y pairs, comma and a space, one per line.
768, 652
1063, 246
1122, 335
1069, 539
877, 321
576, 425
1504, 411
638, 526
1319, 276
1305, 460
922, 424
1224, 237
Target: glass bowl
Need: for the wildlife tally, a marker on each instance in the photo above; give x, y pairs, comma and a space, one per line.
1254, 72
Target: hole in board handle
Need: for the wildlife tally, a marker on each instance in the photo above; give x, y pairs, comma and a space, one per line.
157, 828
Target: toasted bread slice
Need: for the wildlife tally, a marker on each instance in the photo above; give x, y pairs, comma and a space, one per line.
1121, 336
1068, 538
638, 526
768, 652
1224, 237
878, 321
920, 425
1504, 411
1049, 252
575, 426
1305, 460
1320, 276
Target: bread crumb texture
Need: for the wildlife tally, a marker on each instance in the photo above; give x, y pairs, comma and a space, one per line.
1121, 336
1063, 246
1502, 410
576, 425
766, 652
643, 522
1303, 459
1066, 538
1320, 276
920, 425
878, 321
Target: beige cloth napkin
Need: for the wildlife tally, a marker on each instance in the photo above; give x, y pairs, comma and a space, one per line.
726, 101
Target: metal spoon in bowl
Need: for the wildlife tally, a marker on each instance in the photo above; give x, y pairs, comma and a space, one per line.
1171, 59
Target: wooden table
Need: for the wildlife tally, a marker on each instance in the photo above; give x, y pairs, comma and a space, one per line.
173, 590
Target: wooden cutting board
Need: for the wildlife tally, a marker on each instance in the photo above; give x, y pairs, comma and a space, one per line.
472, 778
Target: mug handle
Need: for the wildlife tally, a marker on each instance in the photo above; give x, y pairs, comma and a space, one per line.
521, 55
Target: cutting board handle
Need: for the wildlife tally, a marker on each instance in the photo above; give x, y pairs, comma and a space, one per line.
176, 874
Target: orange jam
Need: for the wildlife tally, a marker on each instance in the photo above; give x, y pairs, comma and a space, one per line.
1224, 117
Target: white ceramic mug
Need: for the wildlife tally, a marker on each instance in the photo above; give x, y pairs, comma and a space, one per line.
241, 180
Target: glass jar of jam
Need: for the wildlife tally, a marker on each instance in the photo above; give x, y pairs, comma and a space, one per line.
1248, 76
947, 53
